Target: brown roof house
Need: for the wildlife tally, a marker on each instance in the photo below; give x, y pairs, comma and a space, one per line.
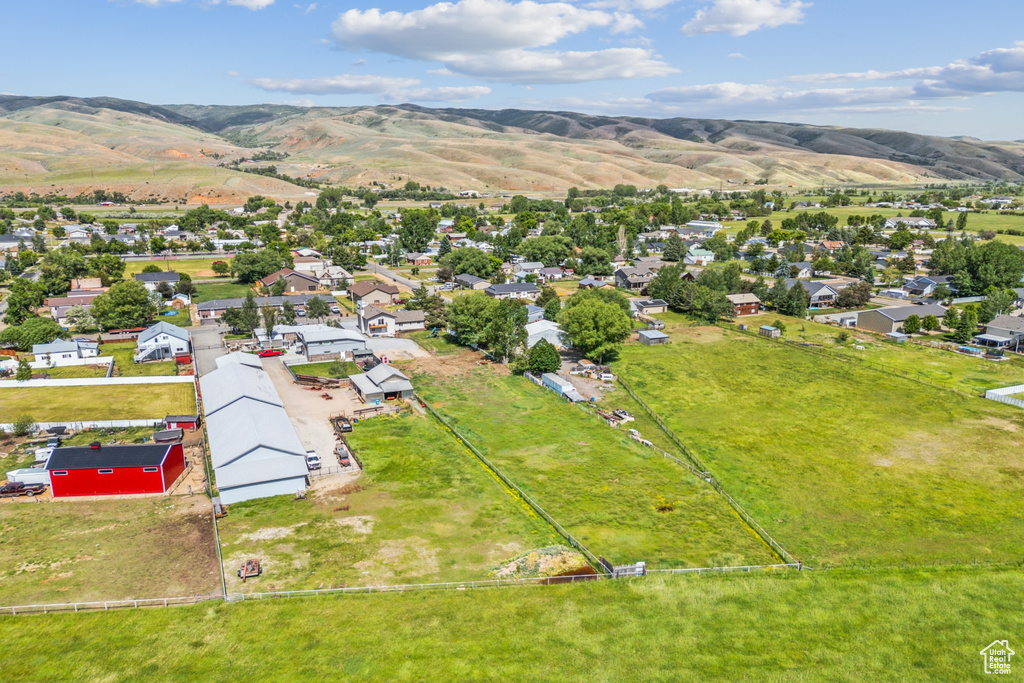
295, 281
373, 292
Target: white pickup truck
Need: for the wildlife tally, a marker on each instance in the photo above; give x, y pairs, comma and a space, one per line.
312, 460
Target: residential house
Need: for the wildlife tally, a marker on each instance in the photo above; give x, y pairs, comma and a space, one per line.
595, 283
925, 285
801, 271
162, 340
373, 292
318, 341
153, 280
212, 310
534, 313
418, 259
514, 290
550, 274
919, 223
1003, 331
634, 278
376, 322
649, 306
744, 304
309, 264
698, 257
467, 281
382, 383
821, 294
333, 277
294, 281
61, 352
544, 329
706, 228
886, 320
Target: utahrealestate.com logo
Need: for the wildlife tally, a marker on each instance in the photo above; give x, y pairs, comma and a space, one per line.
997, 657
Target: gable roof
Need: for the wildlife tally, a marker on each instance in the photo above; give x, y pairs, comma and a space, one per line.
163, 328
87, 458
467, 279
365, 287
1014, 323
513, 287
162, 276
410, 316
372, 311
231, 383
288, 272
900, 313
743, 298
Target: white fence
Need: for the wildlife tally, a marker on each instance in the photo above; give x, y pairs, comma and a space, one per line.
97, 381
79, 425
1003, 395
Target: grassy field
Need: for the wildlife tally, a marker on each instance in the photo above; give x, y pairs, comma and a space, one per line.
198, 269
837, 626
125, 365
439, 345
933, 365
324, 369
113, 402
976, 222
70, 551
842, 463
219, 290
621, 500
424, 511
74, 372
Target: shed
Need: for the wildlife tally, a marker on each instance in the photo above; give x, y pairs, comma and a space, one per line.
544, 329
769, 331
99, 470
181, 422
896, 336
382, 383
653, 337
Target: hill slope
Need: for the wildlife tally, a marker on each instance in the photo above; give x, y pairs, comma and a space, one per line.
174, 151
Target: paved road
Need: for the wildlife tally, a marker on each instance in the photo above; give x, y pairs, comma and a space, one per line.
208, 344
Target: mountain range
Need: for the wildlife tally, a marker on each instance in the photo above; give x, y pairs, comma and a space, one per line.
178, 152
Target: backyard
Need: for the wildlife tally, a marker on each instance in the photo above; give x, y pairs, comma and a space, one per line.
125, 365
843, 462
423, 511
197, 269
623, 501
75, 550
211, 291
105, 402
324, 369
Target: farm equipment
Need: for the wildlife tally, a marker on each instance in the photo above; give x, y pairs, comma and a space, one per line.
220, 510
635, 435
342, 424
622, 415
250, 569
327, 397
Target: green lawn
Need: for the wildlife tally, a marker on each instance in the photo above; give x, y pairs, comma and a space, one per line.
424, 510
219, 290
181, 320
125, 365
842, 463
623, 501
75, 550
74, 372
198, 269
324, 369
437, 345
813, 626
113, 402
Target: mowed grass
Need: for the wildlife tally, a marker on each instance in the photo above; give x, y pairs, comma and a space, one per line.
623, 501
125, 365
324, 369
81, 551
211, 291
836, 626
196, 268
112, 402
928, 364
842, 463
423, 511
438, 345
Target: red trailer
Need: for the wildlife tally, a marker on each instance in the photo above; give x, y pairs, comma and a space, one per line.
98, 470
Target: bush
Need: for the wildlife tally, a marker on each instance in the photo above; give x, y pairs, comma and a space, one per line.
23, 425
843, 336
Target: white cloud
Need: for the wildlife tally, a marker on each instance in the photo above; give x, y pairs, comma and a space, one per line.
251, 4
440, 72
335, 85
642, 5
491, 40
310, 8
740, 17
154, 3
527, 66
735, 55
359, 62
390, 88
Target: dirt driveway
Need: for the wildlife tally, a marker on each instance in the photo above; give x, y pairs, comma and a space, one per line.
309, 413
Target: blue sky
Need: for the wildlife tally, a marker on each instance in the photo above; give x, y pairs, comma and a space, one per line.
939, 68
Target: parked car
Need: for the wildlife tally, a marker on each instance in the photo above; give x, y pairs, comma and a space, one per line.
270, 353
312, 460
17, 488
342, 454
335, 309
301, 313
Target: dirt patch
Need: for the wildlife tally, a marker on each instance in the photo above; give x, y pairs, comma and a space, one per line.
394, 556
360, 524
1000, 423
697, 335
269, 534
456, 365
883, 462
550, 561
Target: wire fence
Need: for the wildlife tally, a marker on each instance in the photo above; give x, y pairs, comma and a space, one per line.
573, 542
703, 472
107, 605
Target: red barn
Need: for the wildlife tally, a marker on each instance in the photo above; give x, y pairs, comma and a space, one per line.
98, 470
189, 422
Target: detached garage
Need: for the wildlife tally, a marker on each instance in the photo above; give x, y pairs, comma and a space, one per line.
98, 470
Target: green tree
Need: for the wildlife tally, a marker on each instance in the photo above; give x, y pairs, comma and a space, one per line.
666, 284
109, 268
250, 266
506, 330
594, 327
912, 325
221, 267
855, 295
59, 267
675, 249
126, 304
594, 261
164, 289
997, 302
552, 308
550, 250
543, 357
249, 316
469, 315
445, 248
417, 229
966, 328
152, 268
471, 261
546, 295
318, 308
24, 424
930, 323
961, 221
277, 289
34, 330
288, 313
608, 296
269, 320
24, 371
23, 299
951, 319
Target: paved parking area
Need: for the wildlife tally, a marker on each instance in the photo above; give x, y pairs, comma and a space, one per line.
208, 345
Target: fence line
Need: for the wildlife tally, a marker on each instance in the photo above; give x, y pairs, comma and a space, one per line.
508, 482
107, 605
95, 381
1003, 395
705, 473
79, 425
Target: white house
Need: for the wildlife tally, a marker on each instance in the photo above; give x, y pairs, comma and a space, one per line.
376, 322
153, 280
60, 352
544, 329
162, 340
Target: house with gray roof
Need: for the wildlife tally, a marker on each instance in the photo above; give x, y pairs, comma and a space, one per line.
515, 290
162, 340
62, 352
153, 280
886, 320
